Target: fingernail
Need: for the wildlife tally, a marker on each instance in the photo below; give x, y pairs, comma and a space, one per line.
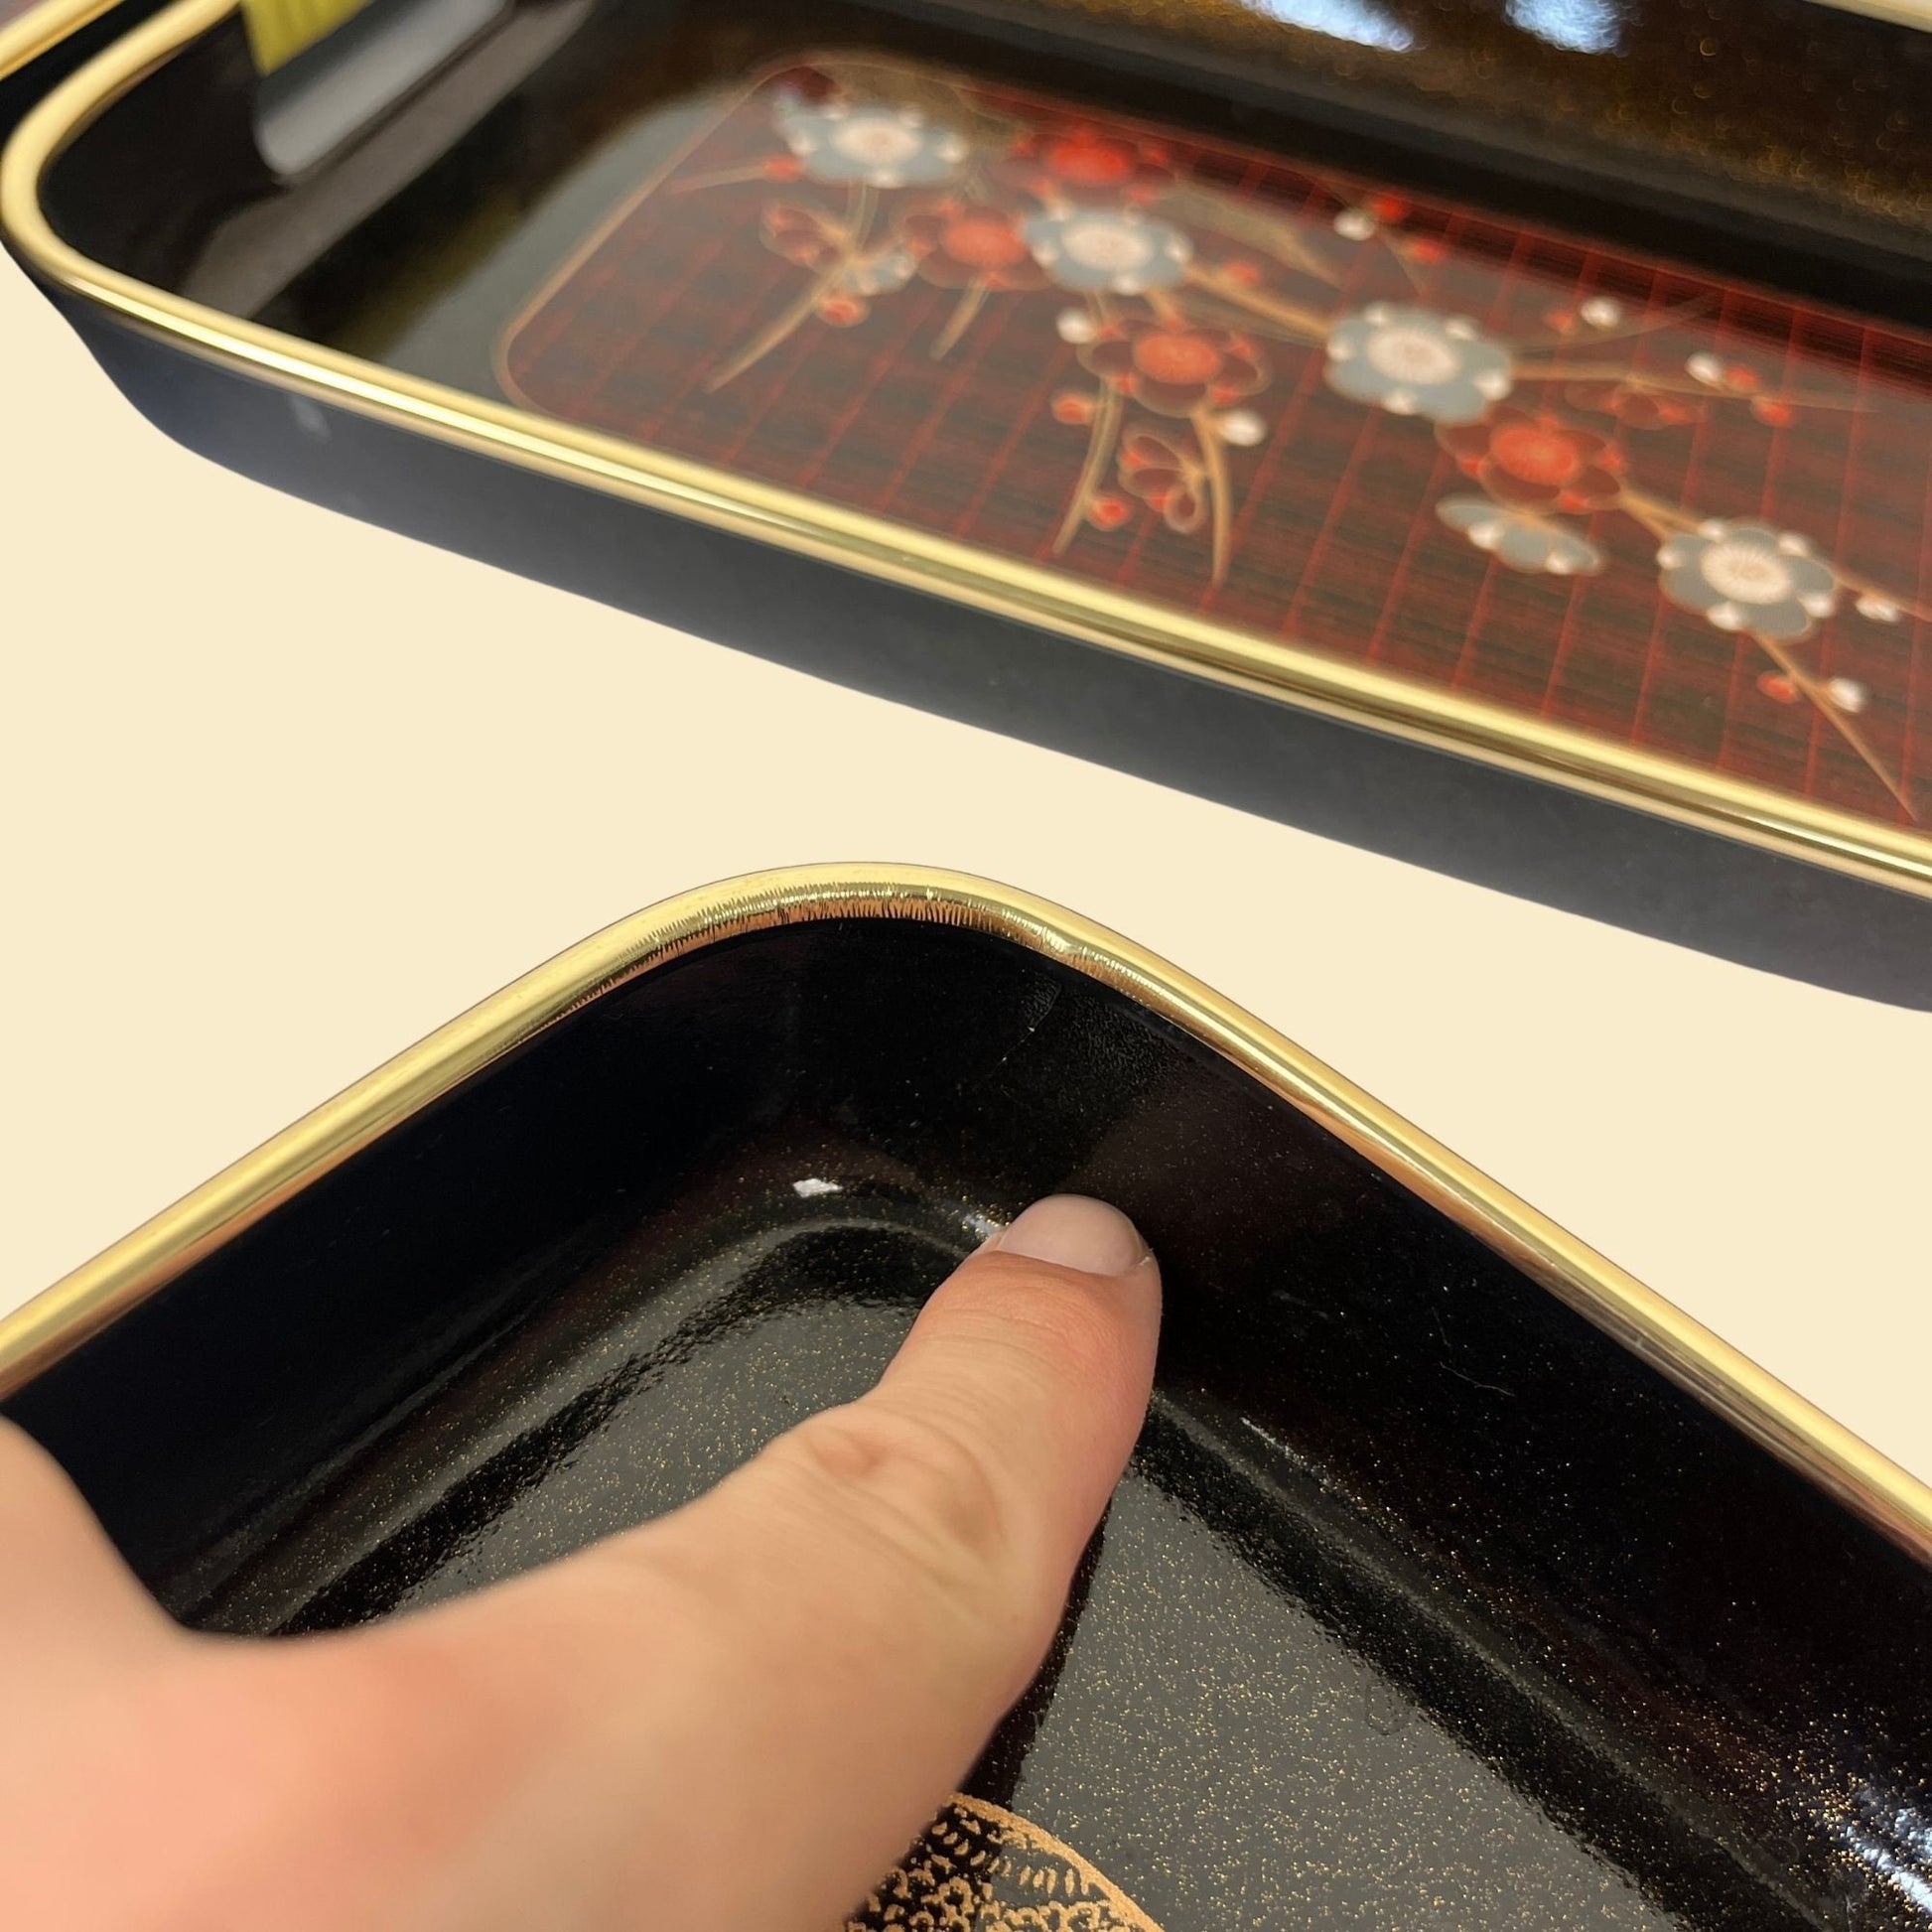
1074, 1232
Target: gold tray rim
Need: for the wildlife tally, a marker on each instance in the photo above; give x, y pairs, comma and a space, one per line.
1916, 14
85, 1302
1896, 856
44, 26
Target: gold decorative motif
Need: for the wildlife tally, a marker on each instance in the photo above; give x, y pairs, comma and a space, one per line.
978, 1868
27, 31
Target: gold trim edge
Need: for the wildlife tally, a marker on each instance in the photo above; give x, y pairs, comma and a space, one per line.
1895, 13
1775, 1416
44, 26
1886, 855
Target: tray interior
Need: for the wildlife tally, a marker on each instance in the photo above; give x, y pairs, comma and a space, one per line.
1424, 1602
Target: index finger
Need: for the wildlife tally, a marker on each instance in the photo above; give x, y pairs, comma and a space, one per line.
738, 1716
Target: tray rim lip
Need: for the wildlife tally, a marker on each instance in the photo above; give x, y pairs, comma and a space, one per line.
44, 26
1895, 856
97, 1294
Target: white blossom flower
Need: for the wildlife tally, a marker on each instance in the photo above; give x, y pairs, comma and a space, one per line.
1414, 361
1241, 427
872, 144
1520, 537
1746, 576
1119, 251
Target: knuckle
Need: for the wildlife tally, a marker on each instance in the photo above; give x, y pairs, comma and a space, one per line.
915, 1486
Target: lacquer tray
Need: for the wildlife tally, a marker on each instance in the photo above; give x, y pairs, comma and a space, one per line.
1327, 372
1456, 1580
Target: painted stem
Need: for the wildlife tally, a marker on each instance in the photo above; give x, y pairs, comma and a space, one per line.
1669, 386
1304, 325
1100, 449
971, 299
1214, 463
860, 203
1643, 326
1820, 699
780, 328
721, 178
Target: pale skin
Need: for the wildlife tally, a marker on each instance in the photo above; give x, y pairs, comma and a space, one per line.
734, 1717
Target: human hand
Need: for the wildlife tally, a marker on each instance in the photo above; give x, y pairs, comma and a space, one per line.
730, 1719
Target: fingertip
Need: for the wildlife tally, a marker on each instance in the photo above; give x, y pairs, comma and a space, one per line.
1074, 1231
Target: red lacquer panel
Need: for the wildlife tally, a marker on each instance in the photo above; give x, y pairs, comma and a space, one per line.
1603, 492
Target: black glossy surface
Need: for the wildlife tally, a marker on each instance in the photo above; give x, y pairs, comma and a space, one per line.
1424, 1603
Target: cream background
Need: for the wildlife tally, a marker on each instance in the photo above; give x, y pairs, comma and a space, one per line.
281, 792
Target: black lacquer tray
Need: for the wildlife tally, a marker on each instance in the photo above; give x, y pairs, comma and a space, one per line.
1457, 1580
1494, 432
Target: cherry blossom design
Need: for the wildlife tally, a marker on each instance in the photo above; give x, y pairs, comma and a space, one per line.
869, 144
1117, 251
846, 280
801, 234
1171, 298
1537, 459
958, 245
1843, 694
1166, 478
1713, 373
1176, 368
1634, 405
1746, 576
1414, 361
1520, 538
883, 271
1081, 163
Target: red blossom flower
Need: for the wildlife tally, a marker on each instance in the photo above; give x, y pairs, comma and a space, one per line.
1173, 367
1165, 478
1536, 461
1631, 403
962, 242
841, 311
1078, 162
800, 234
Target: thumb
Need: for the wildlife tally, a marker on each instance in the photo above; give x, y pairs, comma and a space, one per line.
740, 1715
